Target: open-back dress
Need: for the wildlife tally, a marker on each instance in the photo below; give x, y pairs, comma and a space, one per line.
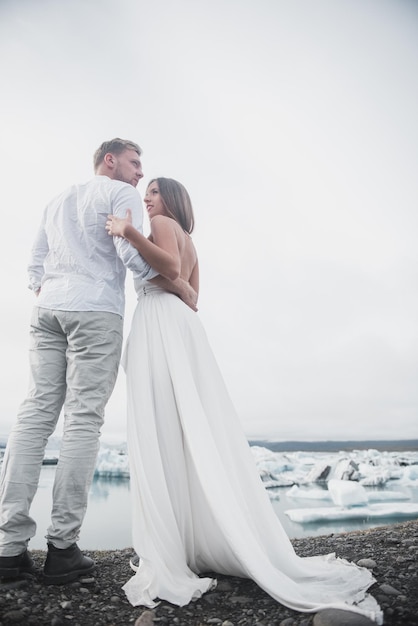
199, 506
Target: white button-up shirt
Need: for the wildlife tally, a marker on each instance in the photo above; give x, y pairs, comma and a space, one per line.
74, 262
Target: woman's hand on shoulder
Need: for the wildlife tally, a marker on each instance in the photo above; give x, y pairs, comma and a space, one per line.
116, 226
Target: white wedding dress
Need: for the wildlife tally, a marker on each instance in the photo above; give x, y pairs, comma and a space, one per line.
198, 502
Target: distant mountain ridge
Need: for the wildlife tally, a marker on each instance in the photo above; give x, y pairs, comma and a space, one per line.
397, 445
335, 446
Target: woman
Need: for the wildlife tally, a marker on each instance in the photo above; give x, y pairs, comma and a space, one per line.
198, 502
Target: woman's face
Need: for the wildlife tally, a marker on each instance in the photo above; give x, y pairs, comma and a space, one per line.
153, 201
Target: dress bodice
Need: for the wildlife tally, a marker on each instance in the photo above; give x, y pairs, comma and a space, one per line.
144, 287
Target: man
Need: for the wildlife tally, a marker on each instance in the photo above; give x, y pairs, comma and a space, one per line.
78, 273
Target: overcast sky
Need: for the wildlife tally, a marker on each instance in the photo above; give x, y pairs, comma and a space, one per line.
293, 124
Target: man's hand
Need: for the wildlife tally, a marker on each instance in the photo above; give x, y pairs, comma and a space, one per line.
188, 295
180, 287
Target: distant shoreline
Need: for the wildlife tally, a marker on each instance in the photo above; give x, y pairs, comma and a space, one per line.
390, 445
401, 445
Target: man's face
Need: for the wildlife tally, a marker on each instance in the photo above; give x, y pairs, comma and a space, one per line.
127, 167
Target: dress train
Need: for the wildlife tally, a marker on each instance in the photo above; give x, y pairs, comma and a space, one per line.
198, 502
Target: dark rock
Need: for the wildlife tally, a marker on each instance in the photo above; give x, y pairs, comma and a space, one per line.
388, 590
337, 617
14, 617
369, 563
235, 600
146, 619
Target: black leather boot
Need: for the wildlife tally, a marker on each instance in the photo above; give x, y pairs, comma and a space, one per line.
64, 565
13, 566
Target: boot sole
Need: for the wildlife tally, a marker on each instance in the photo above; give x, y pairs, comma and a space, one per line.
15, 572
68, 577
10, 573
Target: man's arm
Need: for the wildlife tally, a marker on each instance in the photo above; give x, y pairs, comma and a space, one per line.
180, 287
39, 252
128, 198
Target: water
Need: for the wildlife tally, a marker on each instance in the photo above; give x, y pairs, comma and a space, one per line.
315, 529
107, 525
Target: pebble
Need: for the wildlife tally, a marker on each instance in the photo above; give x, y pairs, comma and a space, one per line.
369, 563
388, 590
115, 599
390, 553
240, 600
337, 617
66, 604
146, 619
14, 616
87, 581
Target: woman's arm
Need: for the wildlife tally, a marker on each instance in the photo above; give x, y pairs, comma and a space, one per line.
164, 257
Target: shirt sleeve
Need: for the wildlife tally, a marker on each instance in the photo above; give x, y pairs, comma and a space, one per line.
39, 252
128, 198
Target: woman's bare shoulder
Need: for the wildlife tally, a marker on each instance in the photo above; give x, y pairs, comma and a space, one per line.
161, 223
158, 220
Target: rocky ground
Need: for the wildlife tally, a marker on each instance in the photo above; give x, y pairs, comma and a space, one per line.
99, 600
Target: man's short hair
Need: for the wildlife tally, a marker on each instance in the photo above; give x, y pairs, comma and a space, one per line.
115, 146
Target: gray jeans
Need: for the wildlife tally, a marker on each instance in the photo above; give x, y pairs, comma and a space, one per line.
74, 360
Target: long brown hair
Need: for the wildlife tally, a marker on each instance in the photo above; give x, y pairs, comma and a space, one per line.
176, 201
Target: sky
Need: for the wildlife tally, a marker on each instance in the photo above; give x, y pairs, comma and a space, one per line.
293, 125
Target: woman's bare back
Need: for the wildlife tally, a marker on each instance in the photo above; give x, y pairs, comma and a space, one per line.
187, 252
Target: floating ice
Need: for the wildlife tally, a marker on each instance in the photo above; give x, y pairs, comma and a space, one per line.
347, 493
368, 467
112, 464
308, 494
409, 475
323, 495
279, 470
372, 511
358, 483
319, 472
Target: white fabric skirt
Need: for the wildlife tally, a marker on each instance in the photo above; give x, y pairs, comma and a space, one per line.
198, 503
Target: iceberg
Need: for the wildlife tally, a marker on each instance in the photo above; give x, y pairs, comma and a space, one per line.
352, 501
308, 494
356, 484
346, 469
371, 511
271, 481
322, 486
298, 493
347, 493
367, 467
319, 472
112, 463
